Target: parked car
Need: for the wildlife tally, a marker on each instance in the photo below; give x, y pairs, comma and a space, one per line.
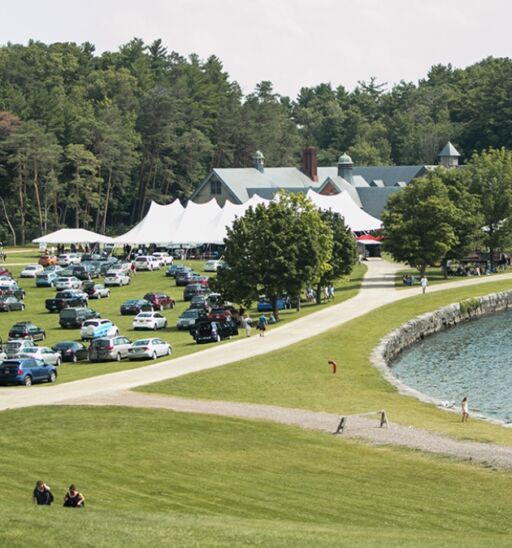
116, 278
47, 260
96, 291
212, 331
149, 320
26, 371
6, 282
46, 279
71, 351
75, 317
194, 289
163, 258
149, 348
85, 272
131, 307
203, 280
123, 268
219, 314
9, 303
12, 291
66, 299
188, 318
200, 301
5, 271
43, 353
160, 300
24, 330
183, 277
173, 270
68, 258
264, 305
13, 348
213, 265
146, 262
31, 271
109, 348
92, 329
67, 282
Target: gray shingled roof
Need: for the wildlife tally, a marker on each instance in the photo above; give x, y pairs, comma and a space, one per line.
389, 174
375, 198
449, 150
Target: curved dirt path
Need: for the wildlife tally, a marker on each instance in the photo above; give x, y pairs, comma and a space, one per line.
360, 428
377, 290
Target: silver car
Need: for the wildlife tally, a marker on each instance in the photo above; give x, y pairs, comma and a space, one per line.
15, 347
109, 348
44, 353
149, 348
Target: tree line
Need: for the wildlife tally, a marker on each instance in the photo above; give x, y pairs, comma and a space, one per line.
88, 140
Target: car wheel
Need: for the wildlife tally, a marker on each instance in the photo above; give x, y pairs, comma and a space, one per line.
118, 357
59, 361
161, 307
22, 307
74, 359
27, 381
155, 326
153, 356
43, 336
52, 377
168, 353
99, 296
165, 324
217, 338
108, 293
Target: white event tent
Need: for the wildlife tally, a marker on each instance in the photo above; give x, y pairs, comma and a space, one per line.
198, 224
73, 236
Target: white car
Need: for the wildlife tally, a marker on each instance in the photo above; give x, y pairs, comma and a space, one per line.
98, 291
149, 348
146, 262
96, 328
6, 281
122, 268
116, 278
68, 258
44, 353
213, 265
163, 258
67, 282
31, 271
149, 320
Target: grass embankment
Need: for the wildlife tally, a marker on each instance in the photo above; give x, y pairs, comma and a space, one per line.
153, 477
142, 283
299, 376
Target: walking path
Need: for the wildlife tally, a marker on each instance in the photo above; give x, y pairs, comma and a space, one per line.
377, 290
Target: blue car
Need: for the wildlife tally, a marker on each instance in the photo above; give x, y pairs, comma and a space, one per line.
26, 371
264, 305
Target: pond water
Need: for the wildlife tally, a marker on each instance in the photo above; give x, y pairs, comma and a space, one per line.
473, 359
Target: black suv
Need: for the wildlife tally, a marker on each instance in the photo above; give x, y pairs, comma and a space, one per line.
194, 289
131, 307
25, 330
75, 317
65, 299
206, 330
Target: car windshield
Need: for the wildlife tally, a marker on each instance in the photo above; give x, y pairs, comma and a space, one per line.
13, 345
101, 343
111, 275
142, 342
30, 349
145, 315
91, 322
31, 267
64, 345
131, 301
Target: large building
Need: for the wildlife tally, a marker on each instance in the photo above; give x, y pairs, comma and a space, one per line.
368, 186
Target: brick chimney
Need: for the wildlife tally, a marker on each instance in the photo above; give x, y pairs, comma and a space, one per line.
310, 164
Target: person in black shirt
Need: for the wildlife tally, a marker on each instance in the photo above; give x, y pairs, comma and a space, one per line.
73, 499
42, 494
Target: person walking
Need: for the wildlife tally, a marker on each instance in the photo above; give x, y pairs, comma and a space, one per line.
247, 325
133, 268
465, 409
262, 324
42, 494
424, 284
73, 499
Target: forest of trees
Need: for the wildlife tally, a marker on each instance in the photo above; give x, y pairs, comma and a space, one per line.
88, 140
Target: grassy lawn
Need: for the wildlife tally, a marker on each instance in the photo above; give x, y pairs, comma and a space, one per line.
154, 477
142, 283
300, 377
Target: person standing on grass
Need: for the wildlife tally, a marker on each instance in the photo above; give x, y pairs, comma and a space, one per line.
133, 268
247, 325
42, 495
465, 409
262, 324
424, 284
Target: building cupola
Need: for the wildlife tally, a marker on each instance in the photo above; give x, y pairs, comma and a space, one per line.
345, 166
449, 156
258, 161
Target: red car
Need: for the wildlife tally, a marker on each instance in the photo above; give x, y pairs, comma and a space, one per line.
160, 300
5, 272
203, 280
219, 314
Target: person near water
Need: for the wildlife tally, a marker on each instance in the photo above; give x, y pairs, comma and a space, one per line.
465, 409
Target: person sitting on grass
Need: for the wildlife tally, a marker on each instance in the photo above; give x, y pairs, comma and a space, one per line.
74, 499
42, 494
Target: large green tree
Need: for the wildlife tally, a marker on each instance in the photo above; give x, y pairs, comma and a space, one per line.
419, 223
275, 249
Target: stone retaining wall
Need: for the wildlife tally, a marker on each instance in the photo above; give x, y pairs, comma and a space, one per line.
418, 328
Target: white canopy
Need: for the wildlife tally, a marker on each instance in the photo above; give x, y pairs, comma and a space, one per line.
207, 223
73, 236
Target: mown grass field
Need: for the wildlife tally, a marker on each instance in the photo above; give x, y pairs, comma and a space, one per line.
142, 283
154, 477
299, 376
